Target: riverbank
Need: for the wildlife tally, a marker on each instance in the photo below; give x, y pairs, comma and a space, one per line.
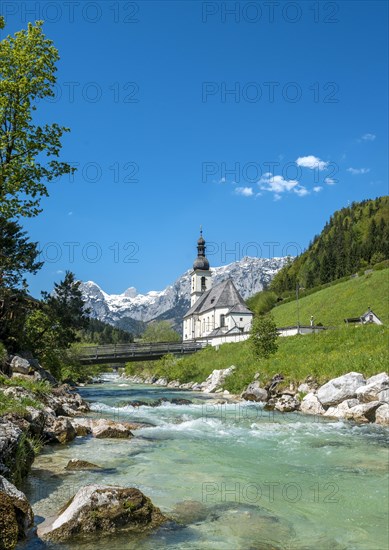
349, 396
36, 412
230, 474
58, 415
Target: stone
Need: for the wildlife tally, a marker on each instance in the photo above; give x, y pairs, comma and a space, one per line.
382, 414
339, 389
13, 446
58, 430
304, 388
42, 374
161, 382
383, 396
374, 386
216, 379
99, 509
20, 365
286, 403
109, 429
77, 464
254, 392
364, 412
340, 411
311, 404
174, 384
16, 516
36, 419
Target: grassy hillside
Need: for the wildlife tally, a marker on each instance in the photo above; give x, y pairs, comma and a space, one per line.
327, 355
355, 237
331, 305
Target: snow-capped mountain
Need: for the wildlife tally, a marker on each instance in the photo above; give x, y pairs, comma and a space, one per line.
250, 275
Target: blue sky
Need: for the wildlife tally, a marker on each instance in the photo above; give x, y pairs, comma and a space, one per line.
256, 124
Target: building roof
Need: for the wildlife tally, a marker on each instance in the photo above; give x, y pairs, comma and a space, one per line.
223, 295
364, 317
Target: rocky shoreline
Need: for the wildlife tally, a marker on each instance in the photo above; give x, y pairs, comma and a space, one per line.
348, 397
55, 414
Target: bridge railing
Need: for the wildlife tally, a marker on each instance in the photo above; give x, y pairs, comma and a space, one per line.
120, 350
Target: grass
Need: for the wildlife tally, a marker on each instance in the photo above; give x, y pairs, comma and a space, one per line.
326, 355
38, 387
332, 305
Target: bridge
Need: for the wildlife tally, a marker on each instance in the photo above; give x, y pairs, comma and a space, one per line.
125, 353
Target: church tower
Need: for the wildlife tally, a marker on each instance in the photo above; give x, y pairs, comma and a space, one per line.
201, 274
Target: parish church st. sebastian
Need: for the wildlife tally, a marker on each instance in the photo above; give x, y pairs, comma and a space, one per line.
218, 313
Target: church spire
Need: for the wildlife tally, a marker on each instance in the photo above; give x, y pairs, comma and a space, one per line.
201, 262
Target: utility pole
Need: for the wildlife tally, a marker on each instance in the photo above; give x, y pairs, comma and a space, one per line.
298, 309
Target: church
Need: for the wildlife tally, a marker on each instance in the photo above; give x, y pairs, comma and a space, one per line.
218, 313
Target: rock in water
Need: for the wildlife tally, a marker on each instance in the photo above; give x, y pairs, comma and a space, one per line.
339, 389
16, 516
311, 405
375, 385
102, 509
77, 464
382, 415
254, 392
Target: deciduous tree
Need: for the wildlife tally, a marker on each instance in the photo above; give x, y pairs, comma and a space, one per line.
28, 151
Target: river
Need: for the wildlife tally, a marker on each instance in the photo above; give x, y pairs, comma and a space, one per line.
236, 477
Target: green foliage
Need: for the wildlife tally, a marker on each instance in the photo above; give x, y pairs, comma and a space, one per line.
28, 152
98, 332
65, 306
333, 303
355, 237
263, 336
3, 356
38, 387
160, 331
17, 255
263, 302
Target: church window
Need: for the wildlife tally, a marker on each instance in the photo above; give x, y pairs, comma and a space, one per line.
222, 320
203, 284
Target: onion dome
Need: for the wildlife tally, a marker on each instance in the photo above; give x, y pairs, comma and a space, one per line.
201, 262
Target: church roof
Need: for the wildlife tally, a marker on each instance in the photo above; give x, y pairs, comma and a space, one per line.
223, 295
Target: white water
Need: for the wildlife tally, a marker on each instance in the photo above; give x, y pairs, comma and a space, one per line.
237, 477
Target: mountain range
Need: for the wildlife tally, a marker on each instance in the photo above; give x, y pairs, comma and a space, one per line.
131, 311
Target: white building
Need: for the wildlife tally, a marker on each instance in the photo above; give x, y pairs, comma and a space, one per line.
218, 314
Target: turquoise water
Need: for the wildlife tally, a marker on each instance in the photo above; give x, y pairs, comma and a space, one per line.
234, 476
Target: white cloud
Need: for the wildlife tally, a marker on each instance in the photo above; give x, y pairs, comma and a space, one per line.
356, 171
277, 197
59, 272
311, 162
368, 137
70, 213
329, 181
317, 189
276, 184
301, 191
222, 180
244, 191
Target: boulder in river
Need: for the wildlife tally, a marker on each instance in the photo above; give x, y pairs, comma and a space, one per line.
341, 388
58, 429
374, 386
16, 516
365, 412
254, 392
76, 464
382, 414
102, 509
341, 410
311, 404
